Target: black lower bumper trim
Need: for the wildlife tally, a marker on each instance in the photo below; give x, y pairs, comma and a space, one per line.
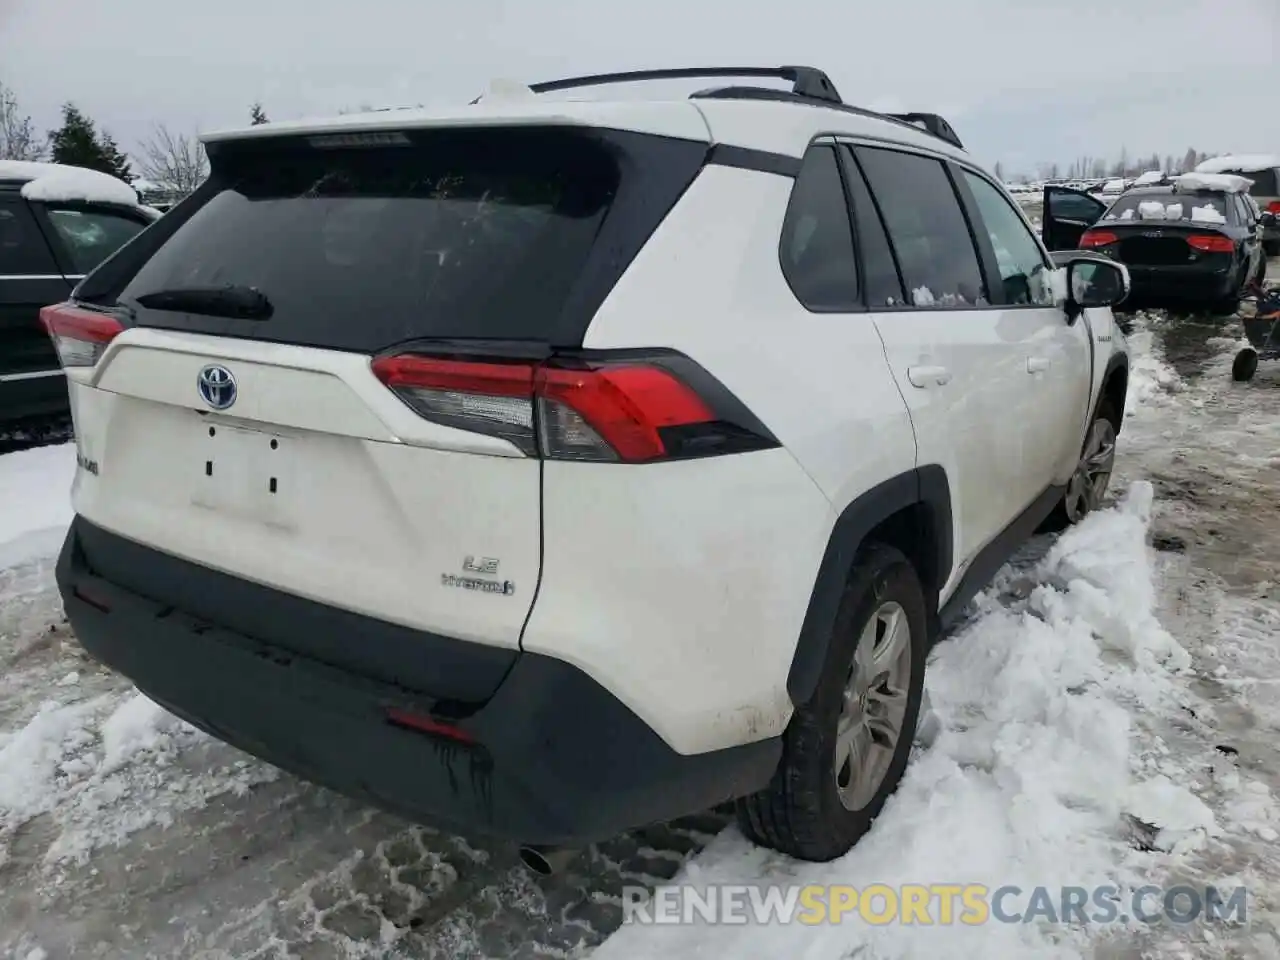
554, 758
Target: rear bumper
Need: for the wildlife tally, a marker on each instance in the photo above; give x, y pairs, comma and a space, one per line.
30, 395
1151, 284
554, 758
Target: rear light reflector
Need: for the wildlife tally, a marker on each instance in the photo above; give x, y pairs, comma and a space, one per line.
1097, 238
427, 724
80, 336
1211, 243
615, 411
1274, 207
490, 398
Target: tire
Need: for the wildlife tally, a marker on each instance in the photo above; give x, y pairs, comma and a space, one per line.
801, 812
1271, 248
1245, 365
1097, 460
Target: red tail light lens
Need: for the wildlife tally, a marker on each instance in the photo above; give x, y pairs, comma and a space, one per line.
80, 336
1274, 207
1212, 243
1097, 238
627, 411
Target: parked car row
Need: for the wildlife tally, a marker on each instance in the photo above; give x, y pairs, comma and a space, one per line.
56, 224
1199, 239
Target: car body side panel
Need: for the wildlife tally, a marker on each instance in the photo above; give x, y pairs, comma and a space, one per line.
735, 543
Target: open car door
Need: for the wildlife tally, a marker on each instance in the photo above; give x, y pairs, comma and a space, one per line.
1067, 215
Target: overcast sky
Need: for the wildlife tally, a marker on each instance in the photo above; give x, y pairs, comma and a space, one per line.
1022, 81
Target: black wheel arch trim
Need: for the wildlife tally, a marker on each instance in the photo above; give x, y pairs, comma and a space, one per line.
926, 487
1118, 362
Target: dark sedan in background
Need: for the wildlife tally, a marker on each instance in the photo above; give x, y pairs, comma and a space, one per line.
1191, 242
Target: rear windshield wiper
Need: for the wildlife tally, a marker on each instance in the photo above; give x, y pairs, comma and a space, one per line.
247, 303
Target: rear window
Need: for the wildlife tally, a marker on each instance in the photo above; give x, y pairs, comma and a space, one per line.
455, 234
1195, 207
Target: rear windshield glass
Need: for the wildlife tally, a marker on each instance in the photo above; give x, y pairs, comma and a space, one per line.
457, 234
1195, 207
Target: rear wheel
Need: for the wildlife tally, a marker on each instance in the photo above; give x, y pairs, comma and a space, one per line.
1245, 365
1088, 484
845, 750
1271, 248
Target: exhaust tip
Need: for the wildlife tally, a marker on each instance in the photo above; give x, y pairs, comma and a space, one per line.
545, 861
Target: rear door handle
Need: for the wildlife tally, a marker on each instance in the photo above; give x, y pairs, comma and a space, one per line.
1037, 364
928, 376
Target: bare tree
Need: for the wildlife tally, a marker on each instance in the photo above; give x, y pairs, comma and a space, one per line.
18, 139
174, 161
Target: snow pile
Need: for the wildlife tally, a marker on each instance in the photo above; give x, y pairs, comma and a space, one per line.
1245, 163
1216, 182
59, 183
1152, 382
36, 506
1151, 210
1027, 783
1207, 214
107, 767
1148, 178
1179, 817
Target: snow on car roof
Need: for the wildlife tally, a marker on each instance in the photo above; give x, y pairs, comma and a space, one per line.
57, 182
1215, 182
1244, 163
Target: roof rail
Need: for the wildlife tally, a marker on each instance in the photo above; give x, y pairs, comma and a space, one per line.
805, 81
931, 123
807, 84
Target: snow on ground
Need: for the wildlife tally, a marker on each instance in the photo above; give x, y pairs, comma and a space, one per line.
1108, 714
1029, 782
36, 506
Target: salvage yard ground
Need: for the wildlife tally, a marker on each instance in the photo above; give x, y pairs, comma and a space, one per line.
1109, 714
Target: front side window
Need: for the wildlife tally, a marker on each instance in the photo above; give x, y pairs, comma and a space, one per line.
90, 236
927, 228
1023, 272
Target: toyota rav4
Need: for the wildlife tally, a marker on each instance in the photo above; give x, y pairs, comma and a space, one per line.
546, 468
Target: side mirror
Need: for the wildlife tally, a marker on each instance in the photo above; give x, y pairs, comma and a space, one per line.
1095, 283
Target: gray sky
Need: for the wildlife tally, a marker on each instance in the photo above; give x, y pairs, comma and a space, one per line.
1020, 80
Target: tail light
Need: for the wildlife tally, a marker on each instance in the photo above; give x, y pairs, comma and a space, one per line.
80, 336
1097, 238
1274, 207
615, 411
1212, 243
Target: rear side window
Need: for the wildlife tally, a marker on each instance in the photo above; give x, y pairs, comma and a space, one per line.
90, 236
927, 227
23, 251
817, 239
880, 274
453, 234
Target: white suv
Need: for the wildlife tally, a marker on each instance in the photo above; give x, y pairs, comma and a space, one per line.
548, 468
